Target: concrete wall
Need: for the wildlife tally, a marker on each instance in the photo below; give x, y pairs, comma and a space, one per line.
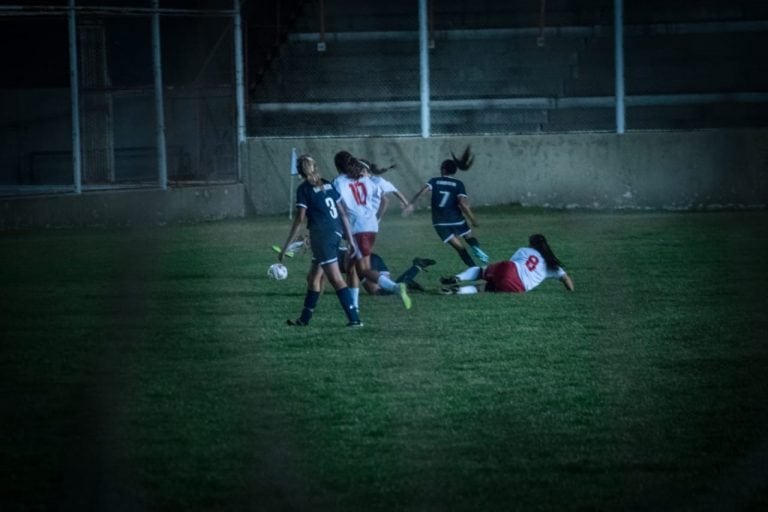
668, 170
125, 207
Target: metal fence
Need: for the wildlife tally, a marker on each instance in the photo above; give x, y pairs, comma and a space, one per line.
453, 67
146, 91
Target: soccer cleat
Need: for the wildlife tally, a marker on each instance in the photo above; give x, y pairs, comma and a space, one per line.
449, 280
414, 286
423, 263
298, 322
297, 245
277, 249
355, 324
481, 255
402, 291
449, 290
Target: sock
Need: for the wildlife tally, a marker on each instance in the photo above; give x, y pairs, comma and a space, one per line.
386, 283
310, 302
355, 294
466, 258
472, 241
471, 274
408, 274
345, 298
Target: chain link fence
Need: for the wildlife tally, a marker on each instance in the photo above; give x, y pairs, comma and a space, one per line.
117, 124
350, 68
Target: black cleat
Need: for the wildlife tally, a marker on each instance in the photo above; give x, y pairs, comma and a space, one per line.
298, 322
449, 280
414, 286
355, 324
423, 263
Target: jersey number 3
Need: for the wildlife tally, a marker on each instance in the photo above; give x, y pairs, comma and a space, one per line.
331, 204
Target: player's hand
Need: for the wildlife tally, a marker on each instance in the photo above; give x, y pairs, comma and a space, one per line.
354, 251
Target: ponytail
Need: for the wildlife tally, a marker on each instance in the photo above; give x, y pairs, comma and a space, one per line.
466, 160
540, 243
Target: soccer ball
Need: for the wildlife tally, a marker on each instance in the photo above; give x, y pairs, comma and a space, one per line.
277, 271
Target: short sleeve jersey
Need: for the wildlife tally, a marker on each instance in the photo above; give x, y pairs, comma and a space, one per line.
445, 200
358, 198
385, 187
321, 205
532, 268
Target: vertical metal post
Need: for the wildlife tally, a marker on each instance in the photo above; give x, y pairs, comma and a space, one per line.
157, 72
321, 43
618, 22
239, 85
424, 68
74, 90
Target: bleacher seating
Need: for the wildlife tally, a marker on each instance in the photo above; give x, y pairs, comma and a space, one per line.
490, 74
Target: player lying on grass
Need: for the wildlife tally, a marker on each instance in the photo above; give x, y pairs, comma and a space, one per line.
377, 263
525, 270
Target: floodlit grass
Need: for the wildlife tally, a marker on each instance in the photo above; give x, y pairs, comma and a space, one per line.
152, 369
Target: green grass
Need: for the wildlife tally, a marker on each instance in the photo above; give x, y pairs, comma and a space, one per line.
151, 369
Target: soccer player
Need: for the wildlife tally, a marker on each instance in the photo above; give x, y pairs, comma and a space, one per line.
357, 190
377, 263
320, 204
526, 269
450, 209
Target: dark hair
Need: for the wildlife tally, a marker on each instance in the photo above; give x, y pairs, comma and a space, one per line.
466, 160
539, 243
355, 168
373, 169
449, 167
340, 161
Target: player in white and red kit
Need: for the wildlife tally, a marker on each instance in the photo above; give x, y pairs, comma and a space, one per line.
525, 270
357, 191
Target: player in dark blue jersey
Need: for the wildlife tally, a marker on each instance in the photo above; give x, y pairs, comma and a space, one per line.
320, 204
450, 208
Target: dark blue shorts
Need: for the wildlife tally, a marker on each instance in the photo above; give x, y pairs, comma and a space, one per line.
447, 232
325, 247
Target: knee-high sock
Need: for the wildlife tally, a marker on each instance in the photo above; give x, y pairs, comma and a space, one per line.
409, 274
466, 258
386, 283
345, 298
310, 302
471, 274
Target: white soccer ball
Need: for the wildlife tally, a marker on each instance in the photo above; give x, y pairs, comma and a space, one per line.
277, 271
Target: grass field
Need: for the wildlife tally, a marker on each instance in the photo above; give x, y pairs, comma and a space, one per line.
151, 369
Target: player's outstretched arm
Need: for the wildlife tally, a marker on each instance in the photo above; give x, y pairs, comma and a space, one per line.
382, 208
419, 194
